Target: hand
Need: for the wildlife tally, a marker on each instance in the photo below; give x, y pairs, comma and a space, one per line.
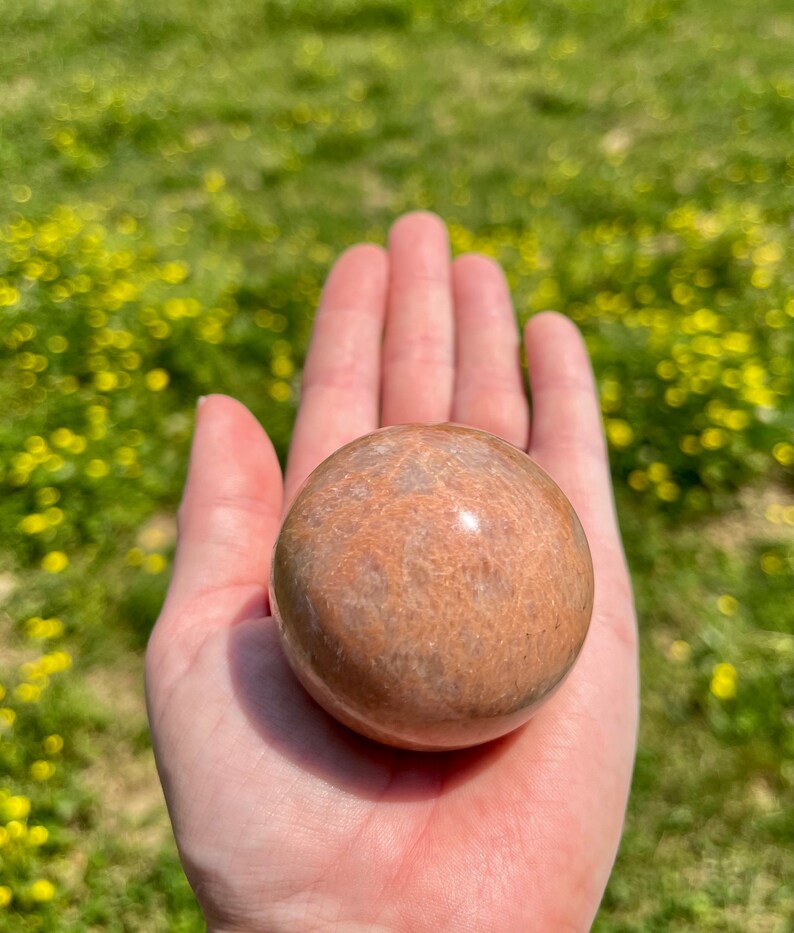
284, 819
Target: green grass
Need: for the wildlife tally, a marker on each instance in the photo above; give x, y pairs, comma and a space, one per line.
175, 181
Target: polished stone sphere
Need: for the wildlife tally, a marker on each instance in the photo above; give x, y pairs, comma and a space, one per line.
432, 586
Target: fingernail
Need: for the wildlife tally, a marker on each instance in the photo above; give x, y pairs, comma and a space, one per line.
201, 400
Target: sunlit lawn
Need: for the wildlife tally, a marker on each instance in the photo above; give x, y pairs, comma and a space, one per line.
175, 181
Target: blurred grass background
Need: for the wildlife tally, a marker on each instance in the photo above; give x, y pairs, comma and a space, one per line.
175, 180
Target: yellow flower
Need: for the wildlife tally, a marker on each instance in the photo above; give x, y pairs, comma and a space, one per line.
56, 662
175, 308
105, 381
9, 295
159, 330
24, 463
36, 445
638, 479
668, 491
61, 437
53, 516
771, 564
57, 344
679, 651
280, 391
38, 835
16, 808
754, 374
783, 453
16, 829
666, 369
42, 890
33, 627
33, 524
723, 681
42, 770
282, 366
125, 455
135, 557
27, 693
737, 420
47, 496
619, 432
760, 397
214, 180
55, 562
713, 438
154, 563
174, 272
96, 469
689, 444
705, 319
53, 744
727, 605
6, 895
675, 396
37, 627
156, 380
54, 463
774, 513
705, 278
120, 292
731, 378
736, 342
761, 278
211, 331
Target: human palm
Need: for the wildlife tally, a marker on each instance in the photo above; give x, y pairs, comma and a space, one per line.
284, 819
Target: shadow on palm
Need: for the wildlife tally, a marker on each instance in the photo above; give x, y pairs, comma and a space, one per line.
290, 723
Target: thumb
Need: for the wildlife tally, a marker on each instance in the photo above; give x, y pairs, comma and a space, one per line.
230, 511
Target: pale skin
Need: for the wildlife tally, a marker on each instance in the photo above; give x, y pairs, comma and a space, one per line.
285, 820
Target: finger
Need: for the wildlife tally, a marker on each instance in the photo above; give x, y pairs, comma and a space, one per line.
341, 379
567, 440
418, 347
592, 725
489, 388
230, 510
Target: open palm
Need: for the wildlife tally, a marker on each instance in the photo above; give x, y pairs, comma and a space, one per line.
284, 819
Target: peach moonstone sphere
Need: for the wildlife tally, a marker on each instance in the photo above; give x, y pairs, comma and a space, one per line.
432, 586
